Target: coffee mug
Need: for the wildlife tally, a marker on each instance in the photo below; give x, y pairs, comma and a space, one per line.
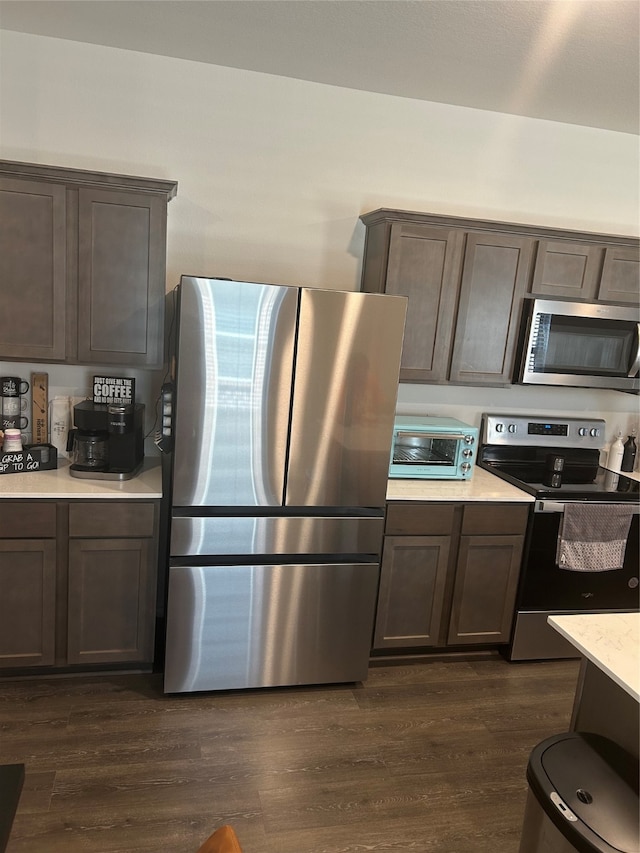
15, 422
12, 406
13, 386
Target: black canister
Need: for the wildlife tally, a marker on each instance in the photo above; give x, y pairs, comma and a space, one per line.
555, 463
120, 418
552, 479
629, 454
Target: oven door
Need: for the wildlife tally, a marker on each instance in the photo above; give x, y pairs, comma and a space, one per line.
593, 346
544, 586
545, 589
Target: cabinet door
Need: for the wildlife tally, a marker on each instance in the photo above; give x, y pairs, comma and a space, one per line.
485, 588
111, 601
32, 270
412, 589
620, 280
121, 277
27, 602
566, 269
424, 265
494, 280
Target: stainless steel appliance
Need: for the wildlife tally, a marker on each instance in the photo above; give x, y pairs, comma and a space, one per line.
432, 448
107, 442
556, 460
282, 415
588, 345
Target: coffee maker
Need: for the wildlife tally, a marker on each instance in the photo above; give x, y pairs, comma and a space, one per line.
107, 442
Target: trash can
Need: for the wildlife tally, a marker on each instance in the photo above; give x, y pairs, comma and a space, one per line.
583, 796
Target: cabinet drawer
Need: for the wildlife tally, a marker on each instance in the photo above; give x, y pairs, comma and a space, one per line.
420, 519
102, 520
25, 520
484, 519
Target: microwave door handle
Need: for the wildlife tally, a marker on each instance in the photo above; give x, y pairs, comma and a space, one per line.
635, 367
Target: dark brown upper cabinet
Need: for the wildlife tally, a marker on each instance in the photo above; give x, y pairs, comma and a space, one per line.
465, 280
566, 269
620, 280
494, 280
424, 265
83, 255
587, 271
33, 270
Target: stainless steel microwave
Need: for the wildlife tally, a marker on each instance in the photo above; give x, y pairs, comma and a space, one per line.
580, 344
432, 448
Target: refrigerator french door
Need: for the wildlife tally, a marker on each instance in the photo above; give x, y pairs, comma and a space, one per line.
283, 416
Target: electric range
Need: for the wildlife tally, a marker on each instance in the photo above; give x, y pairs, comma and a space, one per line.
557, 461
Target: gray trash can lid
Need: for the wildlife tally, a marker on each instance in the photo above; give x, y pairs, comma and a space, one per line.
588, 786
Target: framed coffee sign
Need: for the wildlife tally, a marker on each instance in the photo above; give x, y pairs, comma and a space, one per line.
114, 389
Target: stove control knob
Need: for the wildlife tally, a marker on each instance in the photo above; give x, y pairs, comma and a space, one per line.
469, 439
582, 431
595, 432
512, 428
467, 452
465, 466
499, 427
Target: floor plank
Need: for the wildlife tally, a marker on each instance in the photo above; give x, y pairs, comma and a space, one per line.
422, 757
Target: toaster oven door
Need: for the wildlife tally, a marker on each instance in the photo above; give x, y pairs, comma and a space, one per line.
427, 454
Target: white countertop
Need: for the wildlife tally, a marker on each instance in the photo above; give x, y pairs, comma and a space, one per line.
611, 641
483, 486
58, 483
633, 475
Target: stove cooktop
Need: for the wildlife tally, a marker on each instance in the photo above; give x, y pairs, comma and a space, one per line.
602, 485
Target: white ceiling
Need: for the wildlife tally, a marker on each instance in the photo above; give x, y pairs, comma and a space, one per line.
574, 61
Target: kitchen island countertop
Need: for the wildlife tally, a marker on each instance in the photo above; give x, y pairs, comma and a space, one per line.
59, 484
608, 690
483, 486
611, 641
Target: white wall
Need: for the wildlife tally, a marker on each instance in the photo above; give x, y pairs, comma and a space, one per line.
273, 173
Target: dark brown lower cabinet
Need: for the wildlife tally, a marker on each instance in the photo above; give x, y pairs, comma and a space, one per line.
110, 592
484, 591
27, 602
449, 574
412, 588
86, 594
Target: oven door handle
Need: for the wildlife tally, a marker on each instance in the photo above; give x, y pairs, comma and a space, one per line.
558, 506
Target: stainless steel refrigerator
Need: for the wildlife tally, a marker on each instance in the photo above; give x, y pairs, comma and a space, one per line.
283, 410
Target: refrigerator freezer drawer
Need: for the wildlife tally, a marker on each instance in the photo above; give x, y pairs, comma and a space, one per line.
220, 535
232, 627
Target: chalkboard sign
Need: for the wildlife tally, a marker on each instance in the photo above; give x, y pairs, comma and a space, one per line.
33, 457
114, 389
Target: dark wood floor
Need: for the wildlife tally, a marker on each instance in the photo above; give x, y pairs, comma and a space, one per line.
421, 757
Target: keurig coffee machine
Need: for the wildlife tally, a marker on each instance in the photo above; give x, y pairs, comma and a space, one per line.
108, 440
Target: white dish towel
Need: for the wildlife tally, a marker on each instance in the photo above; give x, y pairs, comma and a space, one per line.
593, 537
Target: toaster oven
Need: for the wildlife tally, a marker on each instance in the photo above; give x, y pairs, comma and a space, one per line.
432, 448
